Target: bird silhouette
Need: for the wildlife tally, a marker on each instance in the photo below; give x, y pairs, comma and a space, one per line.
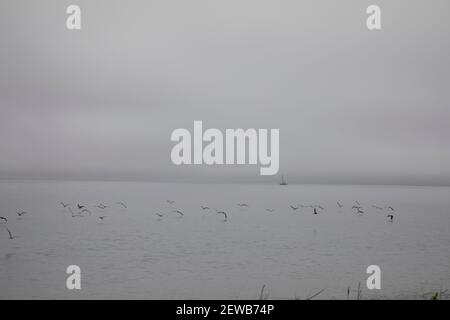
171, 201
64, 204
159, 215
390, 208
122, 204
102, 206
339, 204
71, 211
204, 208
294, 207
10, 234
80, 207
224, 215
179, 212
85, 211
21, 213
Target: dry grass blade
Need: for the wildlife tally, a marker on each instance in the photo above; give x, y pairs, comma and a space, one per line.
315, 295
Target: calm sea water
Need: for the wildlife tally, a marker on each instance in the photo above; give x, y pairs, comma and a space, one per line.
134, 254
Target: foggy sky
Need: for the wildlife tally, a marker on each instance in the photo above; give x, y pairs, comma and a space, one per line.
352, 106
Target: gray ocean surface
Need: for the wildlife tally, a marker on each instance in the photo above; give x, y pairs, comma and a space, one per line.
134, 254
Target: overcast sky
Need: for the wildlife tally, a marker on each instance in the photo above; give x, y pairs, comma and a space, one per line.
352, 106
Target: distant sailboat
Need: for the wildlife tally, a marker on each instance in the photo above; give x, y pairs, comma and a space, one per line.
283, 181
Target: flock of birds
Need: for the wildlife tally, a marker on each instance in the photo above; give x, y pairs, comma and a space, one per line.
4, 221
76, 211
181, 213
80, 210
83, 211
316, 209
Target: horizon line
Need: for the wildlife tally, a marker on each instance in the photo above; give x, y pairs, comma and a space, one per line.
366, 184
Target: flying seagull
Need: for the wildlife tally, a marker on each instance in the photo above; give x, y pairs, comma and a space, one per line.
102, 217
21, 213
224, 214
179, 212
339, 204
122, 204
171, 201
159, 215
85, 211
294, 207
64, 205
10, 234
4, 219
80, 207
71, 211
390, 208
204, 208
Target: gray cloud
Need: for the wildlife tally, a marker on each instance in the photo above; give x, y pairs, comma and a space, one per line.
352, 106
